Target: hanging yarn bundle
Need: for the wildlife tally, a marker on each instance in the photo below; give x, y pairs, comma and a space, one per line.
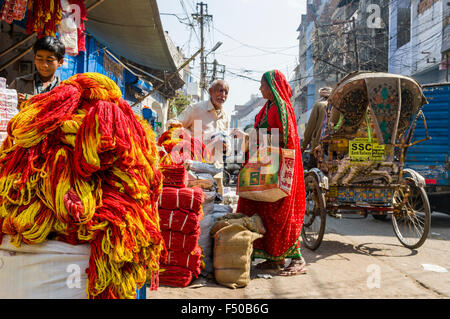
43, 16
78, 166
13, 10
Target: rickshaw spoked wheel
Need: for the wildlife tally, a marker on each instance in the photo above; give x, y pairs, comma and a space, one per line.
315, 213
412, 216
226, 178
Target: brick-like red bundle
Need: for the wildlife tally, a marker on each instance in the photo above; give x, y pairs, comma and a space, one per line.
180, 212
185, 198
179, 220
180, 208
175, 276
191, 261
177, 241
174, 176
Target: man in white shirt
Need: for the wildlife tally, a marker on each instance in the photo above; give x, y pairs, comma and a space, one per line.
209, 119
210, 113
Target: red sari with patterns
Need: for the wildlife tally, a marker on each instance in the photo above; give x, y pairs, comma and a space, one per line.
282, 219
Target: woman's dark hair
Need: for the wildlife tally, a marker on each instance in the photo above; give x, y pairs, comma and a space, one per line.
51, 44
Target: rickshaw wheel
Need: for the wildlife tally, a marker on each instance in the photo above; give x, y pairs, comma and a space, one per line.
315, 213
226, 178
412, 221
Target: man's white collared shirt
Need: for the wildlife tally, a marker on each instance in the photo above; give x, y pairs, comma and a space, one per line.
212, 120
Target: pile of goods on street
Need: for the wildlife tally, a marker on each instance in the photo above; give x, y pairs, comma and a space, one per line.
188, 206
78, 167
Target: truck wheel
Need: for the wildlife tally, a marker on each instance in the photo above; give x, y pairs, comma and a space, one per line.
382, 217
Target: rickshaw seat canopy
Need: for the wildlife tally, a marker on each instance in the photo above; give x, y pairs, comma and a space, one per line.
387, 101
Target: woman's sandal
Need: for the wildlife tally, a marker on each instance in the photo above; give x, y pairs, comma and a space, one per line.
296, 267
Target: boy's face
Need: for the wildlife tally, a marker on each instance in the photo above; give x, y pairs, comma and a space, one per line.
46, 63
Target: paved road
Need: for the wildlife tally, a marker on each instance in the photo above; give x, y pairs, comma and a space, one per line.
359, 258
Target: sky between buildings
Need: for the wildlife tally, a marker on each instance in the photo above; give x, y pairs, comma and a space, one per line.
257, 36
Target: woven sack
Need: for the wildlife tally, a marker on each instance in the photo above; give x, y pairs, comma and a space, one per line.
233, 247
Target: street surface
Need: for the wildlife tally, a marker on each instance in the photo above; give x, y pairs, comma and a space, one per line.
358, 258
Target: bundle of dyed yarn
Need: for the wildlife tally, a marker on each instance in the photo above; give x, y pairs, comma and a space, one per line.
180, 211
179, 146
43, 16
174, 176
80, 167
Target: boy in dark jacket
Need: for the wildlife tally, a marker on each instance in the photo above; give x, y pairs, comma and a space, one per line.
48, 57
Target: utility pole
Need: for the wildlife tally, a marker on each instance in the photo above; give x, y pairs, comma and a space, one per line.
355, 43
202, 17
214, 70
217, 71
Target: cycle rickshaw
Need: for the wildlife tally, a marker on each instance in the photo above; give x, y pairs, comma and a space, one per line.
360, 160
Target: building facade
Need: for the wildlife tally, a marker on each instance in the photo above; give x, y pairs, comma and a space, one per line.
337, 37
244, 115
419, 39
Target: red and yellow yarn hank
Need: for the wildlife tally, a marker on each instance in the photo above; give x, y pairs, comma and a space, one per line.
80, 167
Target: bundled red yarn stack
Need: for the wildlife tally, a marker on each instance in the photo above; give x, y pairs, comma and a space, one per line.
179, 220
180, 207
174, 176
180, 213
189, 198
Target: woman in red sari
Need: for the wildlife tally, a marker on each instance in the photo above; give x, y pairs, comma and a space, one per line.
282, 219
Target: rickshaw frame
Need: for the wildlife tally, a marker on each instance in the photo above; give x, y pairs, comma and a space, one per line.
330, 185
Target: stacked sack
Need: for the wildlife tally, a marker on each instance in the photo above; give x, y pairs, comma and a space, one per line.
180, 212
180, 208
202, 174
79, 166
8, 107
180, 149
233, 246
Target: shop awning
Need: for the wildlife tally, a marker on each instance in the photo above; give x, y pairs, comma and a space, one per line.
133, 30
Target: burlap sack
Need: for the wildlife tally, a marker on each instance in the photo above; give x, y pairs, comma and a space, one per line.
253, 223
232, 278
233, 247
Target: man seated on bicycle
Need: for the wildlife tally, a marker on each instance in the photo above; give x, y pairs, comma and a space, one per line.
314, 127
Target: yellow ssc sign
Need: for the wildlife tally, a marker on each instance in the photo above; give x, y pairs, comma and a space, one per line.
360, 149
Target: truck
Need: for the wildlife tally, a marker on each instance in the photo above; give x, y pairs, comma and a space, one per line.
430, 158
